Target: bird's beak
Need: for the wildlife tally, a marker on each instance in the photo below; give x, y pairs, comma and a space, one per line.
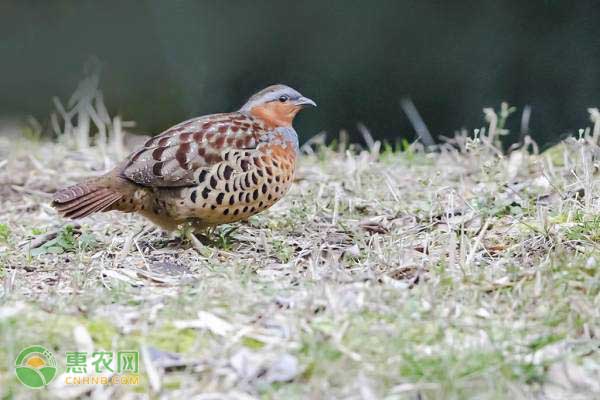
305, 102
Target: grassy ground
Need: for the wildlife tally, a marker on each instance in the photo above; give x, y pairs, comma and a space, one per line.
401, 275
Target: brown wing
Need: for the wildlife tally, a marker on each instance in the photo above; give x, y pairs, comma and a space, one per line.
174, 158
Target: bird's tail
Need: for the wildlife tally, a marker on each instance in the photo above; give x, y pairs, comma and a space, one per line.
86, 198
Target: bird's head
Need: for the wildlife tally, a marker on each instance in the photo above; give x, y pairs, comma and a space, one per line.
276, 105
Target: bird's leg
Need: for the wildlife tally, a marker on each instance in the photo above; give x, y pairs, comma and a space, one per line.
200, 231
196, 233
201, 235
188, 234
197, 244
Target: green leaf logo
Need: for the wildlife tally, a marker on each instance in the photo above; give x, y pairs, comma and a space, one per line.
35, 367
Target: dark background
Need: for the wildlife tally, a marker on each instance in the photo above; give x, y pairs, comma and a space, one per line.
165, 61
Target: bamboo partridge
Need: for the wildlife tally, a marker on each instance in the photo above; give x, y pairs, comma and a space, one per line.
210, 170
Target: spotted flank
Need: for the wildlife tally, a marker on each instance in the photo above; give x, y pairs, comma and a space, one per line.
244, 183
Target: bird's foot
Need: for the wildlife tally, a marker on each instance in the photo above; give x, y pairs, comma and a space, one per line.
198, 236
201, 236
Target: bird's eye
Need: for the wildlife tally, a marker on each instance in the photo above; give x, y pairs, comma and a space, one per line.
283, 98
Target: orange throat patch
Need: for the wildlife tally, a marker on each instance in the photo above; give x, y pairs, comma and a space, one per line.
276, 114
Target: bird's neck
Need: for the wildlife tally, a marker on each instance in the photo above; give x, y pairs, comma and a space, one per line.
275, 114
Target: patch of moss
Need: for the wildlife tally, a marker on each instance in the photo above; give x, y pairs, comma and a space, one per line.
102, 332
169, 338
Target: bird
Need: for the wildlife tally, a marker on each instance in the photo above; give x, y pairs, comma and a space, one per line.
209, 170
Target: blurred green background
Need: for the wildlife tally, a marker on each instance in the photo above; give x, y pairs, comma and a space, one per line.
165, 61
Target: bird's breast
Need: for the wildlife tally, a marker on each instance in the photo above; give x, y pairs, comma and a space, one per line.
283, 136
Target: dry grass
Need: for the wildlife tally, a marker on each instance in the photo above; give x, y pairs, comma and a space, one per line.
461, 273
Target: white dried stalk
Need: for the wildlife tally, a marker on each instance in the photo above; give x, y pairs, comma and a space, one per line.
117, 139
595, 118
92, 118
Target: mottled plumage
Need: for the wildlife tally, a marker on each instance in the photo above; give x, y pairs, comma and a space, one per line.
211, 170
